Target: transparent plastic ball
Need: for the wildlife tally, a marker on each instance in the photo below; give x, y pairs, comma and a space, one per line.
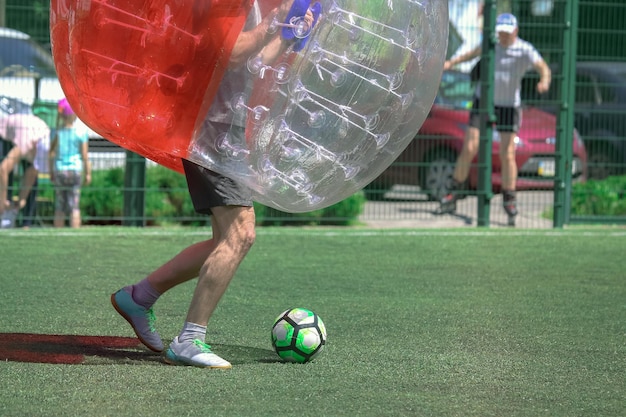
324, 118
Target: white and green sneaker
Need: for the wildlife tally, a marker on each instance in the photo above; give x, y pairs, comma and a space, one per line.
194, 353
142, 319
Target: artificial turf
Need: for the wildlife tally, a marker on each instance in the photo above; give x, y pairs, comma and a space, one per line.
420, 323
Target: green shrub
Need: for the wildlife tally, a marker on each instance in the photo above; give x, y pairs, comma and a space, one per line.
167, 198
343, 213
104, 197
167, 201
600, 197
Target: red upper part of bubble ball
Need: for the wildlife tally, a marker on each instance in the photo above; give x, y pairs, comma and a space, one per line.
143, 73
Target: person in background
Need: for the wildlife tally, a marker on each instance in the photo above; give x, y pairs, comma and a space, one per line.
69, 163
29, 212
513, 58
21, 134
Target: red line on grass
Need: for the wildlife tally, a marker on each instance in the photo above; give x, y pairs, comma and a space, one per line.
62, 349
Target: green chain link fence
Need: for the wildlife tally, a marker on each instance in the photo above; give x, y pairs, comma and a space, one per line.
571, 156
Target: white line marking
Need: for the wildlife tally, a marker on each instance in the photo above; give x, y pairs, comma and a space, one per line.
322, 232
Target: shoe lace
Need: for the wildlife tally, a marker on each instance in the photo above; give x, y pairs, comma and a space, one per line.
151, 319
204, 348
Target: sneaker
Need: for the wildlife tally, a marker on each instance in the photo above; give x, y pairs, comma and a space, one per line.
194, 353
447, 205
140, 318
509, 203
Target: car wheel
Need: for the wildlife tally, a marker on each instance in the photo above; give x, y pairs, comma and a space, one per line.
600, 165
437, 173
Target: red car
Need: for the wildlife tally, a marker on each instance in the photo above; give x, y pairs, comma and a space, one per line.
429, 159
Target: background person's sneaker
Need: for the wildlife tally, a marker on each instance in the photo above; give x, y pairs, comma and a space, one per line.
509, 202
194, 353
447, 205
140, 318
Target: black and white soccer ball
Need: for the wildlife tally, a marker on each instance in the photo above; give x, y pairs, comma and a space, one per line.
298, 335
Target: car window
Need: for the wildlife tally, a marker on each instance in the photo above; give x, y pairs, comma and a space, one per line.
23, 57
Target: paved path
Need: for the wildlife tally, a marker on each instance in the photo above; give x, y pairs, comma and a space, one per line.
399, 211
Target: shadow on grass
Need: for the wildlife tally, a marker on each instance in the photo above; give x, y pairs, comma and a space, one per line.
428, 210
240, 355
103, 350
72, 349
466, 219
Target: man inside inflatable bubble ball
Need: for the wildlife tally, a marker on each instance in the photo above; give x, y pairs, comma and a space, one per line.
213, 261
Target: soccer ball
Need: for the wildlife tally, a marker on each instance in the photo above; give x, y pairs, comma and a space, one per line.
298, 335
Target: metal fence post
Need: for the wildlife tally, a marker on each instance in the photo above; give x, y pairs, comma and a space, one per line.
487, 68
565, 127
3, 12
134, 190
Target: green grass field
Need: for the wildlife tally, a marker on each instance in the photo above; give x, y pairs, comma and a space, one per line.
420, 323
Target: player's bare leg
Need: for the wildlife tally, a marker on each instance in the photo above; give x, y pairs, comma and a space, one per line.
234, 234
509, 175
461, 170
235, 227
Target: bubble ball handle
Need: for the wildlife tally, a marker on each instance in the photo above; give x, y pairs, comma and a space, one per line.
295, 26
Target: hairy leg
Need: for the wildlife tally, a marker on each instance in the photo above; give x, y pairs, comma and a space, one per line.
468, 153
507, 159
236, 230
182, 267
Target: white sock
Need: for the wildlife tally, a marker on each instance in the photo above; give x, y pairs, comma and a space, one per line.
192, 331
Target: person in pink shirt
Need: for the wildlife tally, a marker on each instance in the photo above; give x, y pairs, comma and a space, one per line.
24, 131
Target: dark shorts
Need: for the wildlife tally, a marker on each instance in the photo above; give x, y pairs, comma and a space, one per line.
209, 189
507, 118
